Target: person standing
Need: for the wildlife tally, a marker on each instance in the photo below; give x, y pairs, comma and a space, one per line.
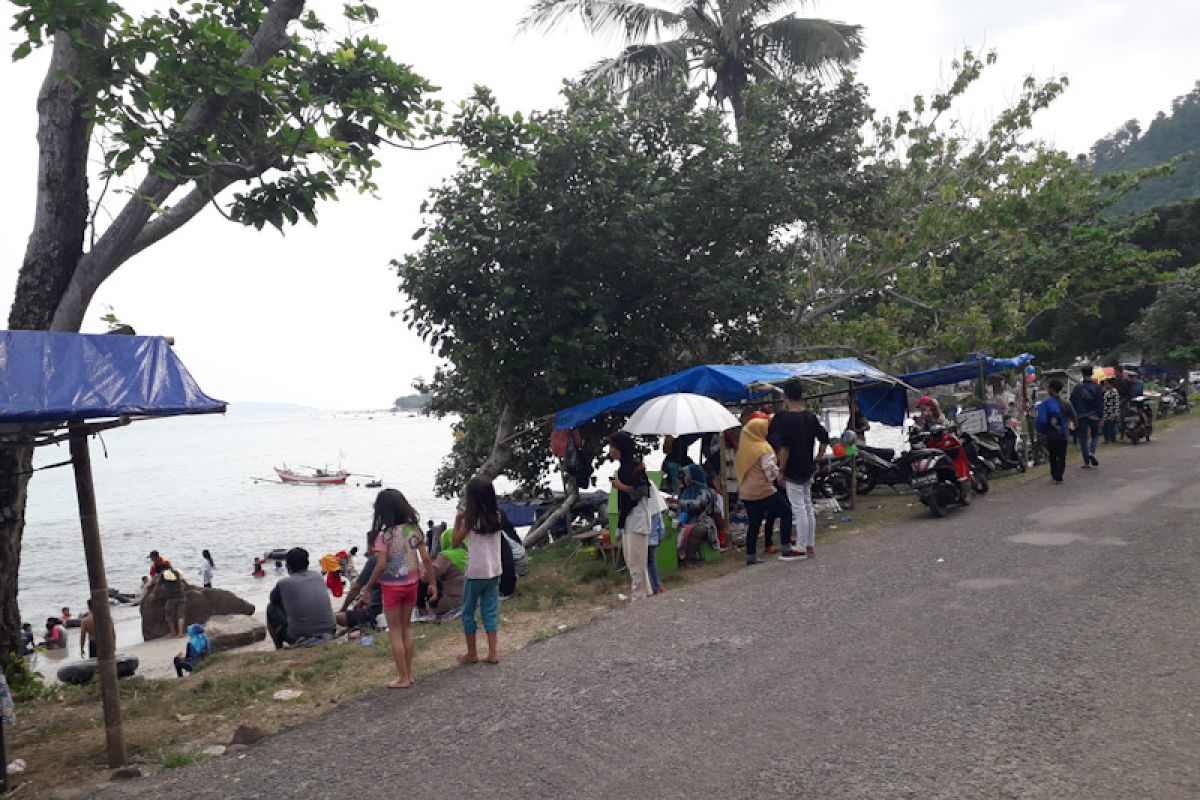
758, 477
479, 525
206, 568
171, 586
1054, 419
793, 433
402, 558
1112, 411
633, 515
1087, 398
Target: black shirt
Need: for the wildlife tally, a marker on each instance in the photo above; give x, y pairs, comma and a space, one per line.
798, 431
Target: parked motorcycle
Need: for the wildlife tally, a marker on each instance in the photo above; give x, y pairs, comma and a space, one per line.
1174, 401
832, 478
992, 453
881, 465
941, 474
1137, 422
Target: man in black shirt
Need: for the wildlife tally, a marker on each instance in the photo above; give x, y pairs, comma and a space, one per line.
793, 433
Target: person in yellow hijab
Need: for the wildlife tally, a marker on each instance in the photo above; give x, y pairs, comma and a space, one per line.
757, 475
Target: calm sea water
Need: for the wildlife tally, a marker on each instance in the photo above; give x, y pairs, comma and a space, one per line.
182, 485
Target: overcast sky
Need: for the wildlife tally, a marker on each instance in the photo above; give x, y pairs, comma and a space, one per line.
305, 317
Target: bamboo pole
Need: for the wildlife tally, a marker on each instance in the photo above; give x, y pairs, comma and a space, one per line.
106, 664
853, 458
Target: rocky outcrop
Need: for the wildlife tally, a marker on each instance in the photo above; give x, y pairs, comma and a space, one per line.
228, 632
202, 605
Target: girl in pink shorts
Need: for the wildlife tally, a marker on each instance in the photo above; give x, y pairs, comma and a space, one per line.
402, 560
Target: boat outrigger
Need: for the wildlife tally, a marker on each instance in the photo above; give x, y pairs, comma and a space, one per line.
317, 476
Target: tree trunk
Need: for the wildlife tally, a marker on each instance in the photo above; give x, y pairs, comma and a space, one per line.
15, 464
542, 530
53, 251
501, 453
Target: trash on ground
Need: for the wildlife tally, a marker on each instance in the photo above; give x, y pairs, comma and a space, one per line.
287, 694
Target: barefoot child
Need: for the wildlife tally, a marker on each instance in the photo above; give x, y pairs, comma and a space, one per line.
402, 559
479, 525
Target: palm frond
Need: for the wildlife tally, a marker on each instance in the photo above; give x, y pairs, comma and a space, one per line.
642, 68
633, 20
793, 44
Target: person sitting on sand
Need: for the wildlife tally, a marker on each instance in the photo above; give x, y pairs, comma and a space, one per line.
450, 572
358, 609
402, 559
56, 635
298, 611
197, 648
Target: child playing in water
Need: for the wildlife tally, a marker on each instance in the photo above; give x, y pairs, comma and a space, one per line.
479, 524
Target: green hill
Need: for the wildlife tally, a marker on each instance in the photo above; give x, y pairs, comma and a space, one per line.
1169, 135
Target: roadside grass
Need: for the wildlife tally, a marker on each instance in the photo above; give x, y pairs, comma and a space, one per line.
168, 723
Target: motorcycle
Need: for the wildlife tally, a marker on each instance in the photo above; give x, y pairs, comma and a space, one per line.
992, 453
941, 473
832, 478
1137, 421
881, 465
1174, 401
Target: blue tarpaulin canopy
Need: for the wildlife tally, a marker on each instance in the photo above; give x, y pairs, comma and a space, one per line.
728, 383
889, 404
57, 378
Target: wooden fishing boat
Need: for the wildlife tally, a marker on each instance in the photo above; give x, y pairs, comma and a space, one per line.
317, 476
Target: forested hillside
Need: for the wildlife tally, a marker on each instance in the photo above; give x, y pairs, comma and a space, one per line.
1169, 135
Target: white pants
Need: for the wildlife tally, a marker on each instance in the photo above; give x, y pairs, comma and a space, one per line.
800, 498
636, 547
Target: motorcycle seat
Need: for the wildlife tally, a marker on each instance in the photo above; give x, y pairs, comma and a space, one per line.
887, 454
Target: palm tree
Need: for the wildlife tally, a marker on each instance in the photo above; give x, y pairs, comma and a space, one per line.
737, 41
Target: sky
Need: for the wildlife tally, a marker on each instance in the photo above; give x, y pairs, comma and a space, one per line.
306, 318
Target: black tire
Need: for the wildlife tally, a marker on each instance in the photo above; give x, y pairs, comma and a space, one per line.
1021, 465
1134, 438
935, 507
866, 482
979, 483
839, 484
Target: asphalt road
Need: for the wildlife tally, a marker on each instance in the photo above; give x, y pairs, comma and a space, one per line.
1043, 643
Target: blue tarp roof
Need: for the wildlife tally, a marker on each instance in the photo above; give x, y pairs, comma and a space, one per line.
889, 404
71, 377
725, 382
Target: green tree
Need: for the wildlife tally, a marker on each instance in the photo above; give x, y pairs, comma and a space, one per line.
586, 249
179, 106
734, 42
963, 241
1168, 331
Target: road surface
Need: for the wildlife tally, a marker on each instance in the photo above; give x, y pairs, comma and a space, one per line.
1043, 643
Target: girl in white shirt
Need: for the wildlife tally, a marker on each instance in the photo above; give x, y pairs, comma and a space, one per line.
479, 525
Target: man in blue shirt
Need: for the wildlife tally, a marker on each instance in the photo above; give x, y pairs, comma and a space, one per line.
1088, 400
1054, 419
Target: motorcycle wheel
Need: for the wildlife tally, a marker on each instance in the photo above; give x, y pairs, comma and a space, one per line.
1021, 465
866, 482
1134, 438
935, 507
839, 484
979, 483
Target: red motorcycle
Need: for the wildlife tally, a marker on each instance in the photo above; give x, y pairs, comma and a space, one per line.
941, 472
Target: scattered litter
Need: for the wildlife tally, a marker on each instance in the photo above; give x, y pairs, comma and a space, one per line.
847, 518
941, 561
368, 640
833, 527
185, 717
287, 694
621, 597
561, 628
17, 767
214, 750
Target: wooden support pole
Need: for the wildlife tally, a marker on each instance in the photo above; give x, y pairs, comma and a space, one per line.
853, 458
106, 664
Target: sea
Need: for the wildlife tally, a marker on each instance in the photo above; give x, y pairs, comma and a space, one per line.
186, 484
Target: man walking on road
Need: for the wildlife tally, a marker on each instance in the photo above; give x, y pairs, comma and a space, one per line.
1054, 418
793, 433
1088, 400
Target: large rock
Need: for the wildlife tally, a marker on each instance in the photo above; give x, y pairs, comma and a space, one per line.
202, 605
228, 632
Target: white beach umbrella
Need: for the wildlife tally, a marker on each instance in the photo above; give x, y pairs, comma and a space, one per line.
680, 414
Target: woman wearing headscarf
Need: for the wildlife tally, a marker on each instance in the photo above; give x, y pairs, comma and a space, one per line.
450, 573
633, 514
758, 475
696, 506
930, 413
197, 648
